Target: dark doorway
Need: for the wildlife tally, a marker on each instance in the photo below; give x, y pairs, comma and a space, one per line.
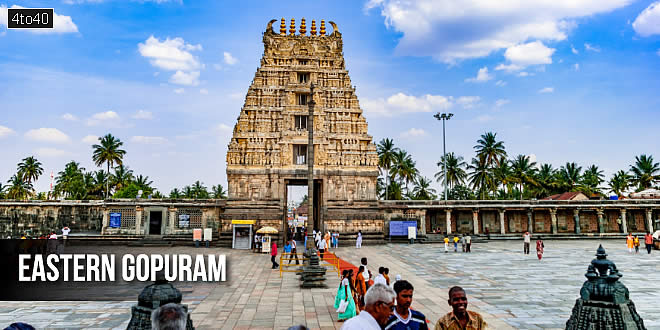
296, 211
155, 222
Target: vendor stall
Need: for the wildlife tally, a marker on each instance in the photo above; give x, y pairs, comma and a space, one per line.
265, 239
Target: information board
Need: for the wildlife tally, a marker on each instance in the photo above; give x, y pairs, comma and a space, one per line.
115, 220
184, 220
400, 228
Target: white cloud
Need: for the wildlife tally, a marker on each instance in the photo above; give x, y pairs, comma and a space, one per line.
143, 114
648, 21
576, 66
148, 139
61, 23
156, 74
547, 90
591, 48
103, 117
51, 152
170, 54
179, 91
482, 76
90, 139
575, 51
413, 133
485, 118
452, 30
187, 79
524, 74
500, 102
500, 83
524, 55
204, 91
5, 131
468, 102
401, 103
43, 134
229, 59
224, 131
70, 117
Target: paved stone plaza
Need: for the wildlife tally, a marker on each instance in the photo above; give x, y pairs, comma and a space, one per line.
512, 290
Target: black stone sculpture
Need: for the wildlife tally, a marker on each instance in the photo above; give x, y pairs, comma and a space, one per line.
604, 301
152, 297
313, 274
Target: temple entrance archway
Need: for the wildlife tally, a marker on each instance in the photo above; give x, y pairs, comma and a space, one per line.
296, 215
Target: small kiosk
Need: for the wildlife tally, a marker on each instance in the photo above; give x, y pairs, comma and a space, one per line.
242, 234
265, 239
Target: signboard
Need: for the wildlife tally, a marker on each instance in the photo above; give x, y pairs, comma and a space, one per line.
412, 232
197, 234
208, 234
115, 220
184, 220
400, 228
244, 222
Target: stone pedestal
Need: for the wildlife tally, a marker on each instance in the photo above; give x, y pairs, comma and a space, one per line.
152, 297
313, 275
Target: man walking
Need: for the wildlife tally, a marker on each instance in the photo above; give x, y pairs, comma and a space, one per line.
446, 244
403, 318
527, 238
293, 250
358, 242
455, 243
648, 240
468, 243
321, 245
460, 317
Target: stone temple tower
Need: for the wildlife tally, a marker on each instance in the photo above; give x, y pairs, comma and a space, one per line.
268, 149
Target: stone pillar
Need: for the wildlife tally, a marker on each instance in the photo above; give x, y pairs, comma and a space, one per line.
422, 227
502, 229
530, 221
601, 225
106, 219
173, 221
649, 220
448, 218
475, 221
624, 222
138, 220
553, 217
576, 217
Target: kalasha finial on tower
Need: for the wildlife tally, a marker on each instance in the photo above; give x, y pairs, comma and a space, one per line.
282, 27
303, 28
313, 31
322, 27
292, 27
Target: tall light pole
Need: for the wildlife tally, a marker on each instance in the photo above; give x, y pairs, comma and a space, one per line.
310, 169
444, 117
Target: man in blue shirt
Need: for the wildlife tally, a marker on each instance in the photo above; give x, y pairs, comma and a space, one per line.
404, 318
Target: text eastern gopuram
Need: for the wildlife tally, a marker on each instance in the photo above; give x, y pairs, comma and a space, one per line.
269, 142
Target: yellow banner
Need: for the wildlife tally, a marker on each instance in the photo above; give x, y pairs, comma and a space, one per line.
244, 222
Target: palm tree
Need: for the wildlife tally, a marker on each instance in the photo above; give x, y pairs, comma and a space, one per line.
2, 190
386, 151
100, 178
491, 150
187, 192
569, 175
71, 181
522, 172
30, 169
591, 179
108, 152
143, 181
644, 172
546, 179
423, 190
219, 192
480, 177
199, 190
502, 174
19, 188
619, 182
122, 177
175, 193
455, 170
404, 167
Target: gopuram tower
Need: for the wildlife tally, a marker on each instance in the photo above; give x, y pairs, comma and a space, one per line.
268, 149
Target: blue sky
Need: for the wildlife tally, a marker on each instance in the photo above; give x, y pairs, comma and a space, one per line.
559, 80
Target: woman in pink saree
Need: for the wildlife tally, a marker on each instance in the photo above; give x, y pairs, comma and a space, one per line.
539, 248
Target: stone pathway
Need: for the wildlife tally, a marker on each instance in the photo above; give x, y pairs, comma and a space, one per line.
510, 289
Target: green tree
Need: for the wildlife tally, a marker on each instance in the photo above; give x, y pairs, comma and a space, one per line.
19, 188
489, 149
218, 192
121, 177
644, 172
455, 170
569, 176
108, 152
591, 180
175, 193
502, 172
3, 188
522, 172
386, 153
70, 182
460, 192
132, 190
480, 177
199, 190
405, 167
423, 190
187, 192
30, 169
620, 182
546, 181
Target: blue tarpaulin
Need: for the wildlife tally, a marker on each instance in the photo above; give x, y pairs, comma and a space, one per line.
400, 228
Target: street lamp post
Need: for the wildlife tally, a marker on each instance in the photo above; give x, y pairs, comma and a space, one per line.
444, 117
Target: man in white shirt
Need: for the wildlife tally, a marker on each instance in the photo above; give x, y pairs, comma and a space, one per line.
379, 303
322, 246
380, 278
366, 273
527, 239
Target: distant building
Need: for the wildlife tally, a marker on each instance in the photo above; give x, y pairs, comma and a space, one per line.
567, 196
650, 193
302, 209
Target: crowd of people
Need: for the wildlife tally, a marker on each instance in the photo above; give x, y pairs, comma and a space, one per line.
632, 242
